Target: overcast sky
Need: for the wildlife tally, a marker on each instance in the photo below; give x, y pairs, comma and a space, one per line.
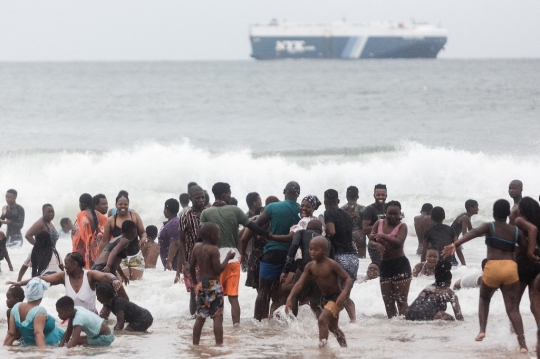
65, 30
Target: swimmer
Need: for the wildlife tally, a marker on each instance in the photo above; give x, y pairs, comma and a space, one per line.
427, 268
388, 237
440, 236
326, 273
431, 302
462, 224
501, 270
150, 248
422, 223
515, 190
206, 256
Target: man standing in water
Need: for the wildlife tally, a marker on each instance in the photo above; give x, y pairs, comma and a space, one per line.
372, 213
13, 217
188, 232
462, 224
356, 211
422, 223
283, 215
515, 189
228, 217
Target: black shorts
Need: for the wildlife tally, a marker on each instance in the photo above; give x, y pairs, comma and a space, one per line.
395, 270
142, 324
527, 271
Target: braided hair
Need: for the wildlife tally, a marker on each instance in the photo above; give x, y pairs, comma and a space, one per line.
42, 253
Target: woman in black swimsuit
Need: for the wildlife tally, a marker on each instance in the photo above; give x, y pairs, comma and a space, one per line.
43, 224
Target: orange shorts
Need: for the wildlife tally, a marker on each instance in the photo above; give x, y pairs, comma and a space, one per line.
500, 272
230, 279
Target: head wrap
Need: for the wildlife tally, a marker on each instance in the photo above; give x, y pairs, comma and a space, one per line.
35, 289
315, 203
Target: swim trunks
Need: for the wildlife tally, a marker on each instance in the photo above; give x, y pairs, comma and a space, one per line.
103, 340
395, 270
209, 298
133, 262
329, 302
500, 272
349, 262
230, 279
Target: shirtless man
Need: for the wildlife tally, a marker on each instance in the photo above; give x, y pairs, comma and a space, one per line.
515, 189
462, 224
206, 256
150, 248
326, 273
422, 223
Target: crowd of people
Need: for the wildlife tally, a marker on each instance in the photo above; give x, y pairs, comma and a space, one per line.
291, 257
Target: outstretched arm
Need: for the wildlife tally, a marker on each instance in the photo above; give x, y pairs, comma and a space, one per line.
53, 279
475, 232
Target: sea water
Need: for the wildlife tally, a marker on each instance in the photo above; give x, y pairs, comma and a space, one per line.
432, 131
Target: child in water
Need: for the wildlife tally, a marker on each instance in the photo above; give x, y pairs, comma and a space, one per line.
138, 318
150, 248
82, 320
14, 295
208, 291
431, 302
326, 272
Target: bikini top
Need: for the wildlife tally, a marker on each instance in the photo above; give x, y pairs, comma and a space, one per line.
133, 247
394, 231
500, 243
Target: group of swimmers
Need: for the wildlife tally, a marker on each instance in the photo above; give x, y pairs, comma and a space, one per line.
293, 257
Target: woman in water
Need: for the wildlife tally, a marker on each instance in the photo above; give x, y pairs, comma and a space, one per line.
43, 224
80, 283
500, 271
44, 259
134, 262
528, 258
431, 302
31, 320
387, 237
87, 230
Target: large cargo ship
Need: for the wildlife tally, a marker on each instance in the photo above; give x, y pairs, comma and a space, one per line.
341, 40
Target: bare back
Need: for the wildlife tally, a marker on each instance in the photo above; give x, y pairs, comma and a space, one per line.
205, 256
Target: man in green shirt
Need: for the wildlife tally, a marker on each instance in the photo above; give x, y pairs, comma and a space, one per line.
228, 218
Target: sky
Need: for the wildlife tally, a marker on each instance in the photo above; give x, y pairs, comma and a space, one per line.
134, 30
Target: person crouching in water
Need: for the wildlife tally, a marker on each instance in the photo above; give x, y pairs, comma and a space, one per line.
208, 291
82, 320
326, 273
431, 302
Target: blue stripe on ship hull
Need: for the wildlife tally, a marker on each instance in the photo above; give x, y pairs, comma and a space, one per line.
343, 47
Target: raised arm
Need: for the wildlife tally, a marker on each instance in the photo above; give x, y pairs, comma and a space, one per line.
95, 276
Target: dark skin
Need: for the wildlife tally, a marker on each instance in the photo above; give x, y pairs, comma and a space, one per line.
326, 273
510, 292
531, 232
103, 206
465, 221
11, 300
39, 325
330, 232
515, 189
111, 258
458, 250
206, 256
350, 208
122, 214
394, 293
448, 294
380, 198
6, 257
197, 199
422, 223
430, 260
268, 288
73, 335
42, 224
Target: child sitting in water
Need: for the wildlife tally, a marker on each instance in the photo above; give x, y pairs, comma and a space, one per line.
372, 272
208, 291
326, 272
3, 251
138, 318
427, 268
431, 302
14, 295
82, 320
150, 248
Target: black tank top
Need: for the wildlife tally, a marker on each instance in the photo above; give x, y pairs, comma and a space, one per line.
133, 248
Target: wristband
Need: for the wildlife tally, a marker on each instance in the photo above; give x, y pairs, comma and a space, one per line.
115, 279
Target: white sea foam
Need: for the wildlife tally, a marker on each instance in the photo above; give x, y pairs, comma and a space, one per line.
152, 173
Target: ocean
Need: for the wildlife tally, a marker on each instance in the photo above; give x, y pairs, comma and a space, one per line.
438, 131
